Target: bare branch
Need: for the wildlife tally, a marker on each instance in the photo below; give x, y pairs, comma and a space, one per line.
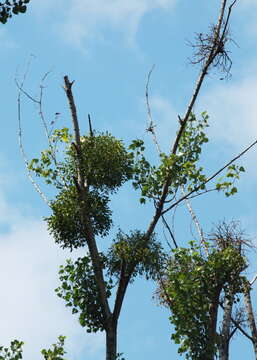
196, 222
170, 232
211, 177
24, 156
151, 125
253, 280
91, 132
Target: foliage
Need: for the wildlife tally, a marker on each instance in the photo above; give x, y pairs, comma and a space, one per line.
106, 165
10, 7
65, 223
12, 353
79, 290
57, 352
15, 351
181, 168
136, 255
192, 286
233, 174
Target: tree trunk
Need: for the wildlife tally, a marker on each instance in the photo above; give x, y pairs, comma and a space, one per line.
213, 313
111, 340
250, 319
225, 332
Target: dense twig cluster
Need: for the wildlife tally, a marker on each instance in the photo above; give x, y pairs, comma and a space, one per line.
204, 44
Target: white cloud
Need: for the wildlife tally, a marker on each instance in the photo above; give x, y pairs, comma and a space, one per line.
232, 108
29, 309
233, 111
85, 19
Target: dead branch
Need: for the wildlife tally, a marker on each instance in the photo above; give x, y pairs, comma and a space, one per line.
196, 222
151, 126
24, 156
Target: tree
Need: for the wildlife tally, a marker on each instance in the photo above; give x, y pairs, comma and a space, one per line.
8, 8
86, 169
196, 286
14, 352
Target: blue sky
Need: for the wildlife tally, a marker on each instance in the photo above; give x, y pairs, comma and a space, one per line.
108, 47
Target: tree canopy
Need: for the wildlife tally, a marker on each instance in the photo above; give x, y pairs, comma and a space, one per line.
9, 8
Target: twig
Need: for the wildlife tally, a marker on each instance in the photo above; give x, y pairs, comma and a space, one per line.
196, 222
211, 177
26, 161
151, 125
253, 280
170, 232
91, 132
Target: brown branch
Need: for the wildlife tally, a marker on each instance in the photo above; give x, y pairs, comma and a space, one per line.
170, 232
213, 53
122, 287
89, 235
91, 132
253, 280
73, 110
163, 294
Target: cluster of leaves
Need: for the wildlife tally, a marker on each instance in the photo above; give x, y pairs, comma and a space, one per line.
179, 168
66, 224
136, 255
57, 352
15, 351
190, 290
233, 174
189, 151
105, 164
7, 8
79, 290
12, 353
